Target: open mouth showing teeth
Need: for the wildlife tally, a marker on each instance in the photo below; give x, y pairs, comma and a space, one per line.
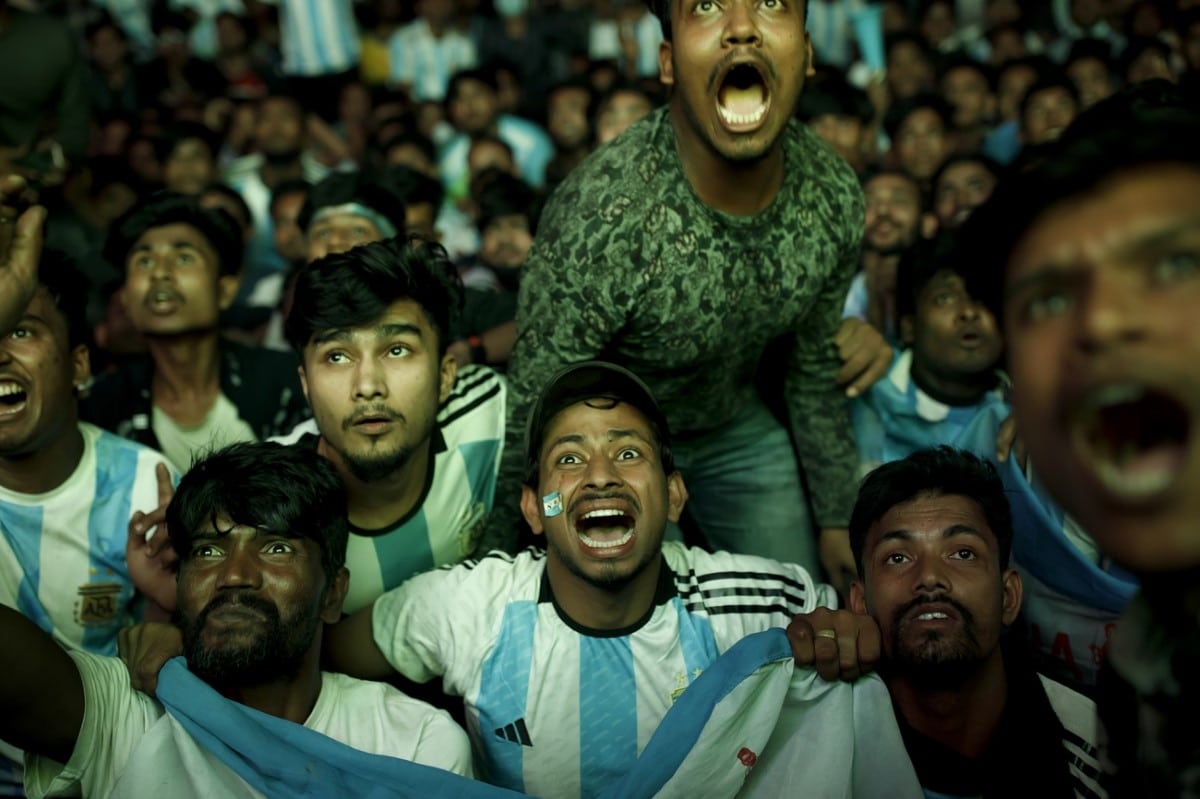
1136, 439
607, 528
12, 397
932, 616
742, 97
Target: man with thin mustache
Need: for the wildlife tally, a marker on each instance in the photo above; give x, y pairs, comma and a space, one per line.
415, 438
931, 535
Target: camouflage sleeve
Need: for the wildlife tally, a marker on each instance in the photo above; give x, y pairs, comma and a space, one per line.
573, 299
818, 409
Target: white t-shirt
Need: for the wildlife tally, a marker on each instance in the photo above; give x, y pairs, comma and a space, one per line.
220, 428
129, 746
556, 710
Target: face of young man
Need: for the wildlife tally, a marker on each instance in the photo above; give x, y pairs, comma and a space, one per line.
279, 129
1092, 80
921, 143
567, 117
473, 108
603, 460
959, 190
506, 241
893, 213
173, 283
1047, 115
252, 602
189, 168
38, 373
375, 390
619, 111
845, 134
954, 339
737, 68
933, 581
967, 91
1101, 295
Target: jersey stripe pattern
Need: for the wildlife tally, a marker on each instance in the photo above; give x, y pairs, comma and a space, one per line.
62, 553
588, 700
319, 37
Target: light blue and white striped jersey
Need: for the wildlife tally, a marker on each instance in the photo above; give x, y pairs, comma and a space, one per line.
425, 62
62, 553
318, 37
447, 521
555, 709
895, 418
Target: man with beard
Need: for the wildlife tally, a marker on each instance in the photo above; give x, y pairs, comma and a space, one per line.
415, 439
711, 229
260, 531
567, 659
931, 535
895, 220
194, 390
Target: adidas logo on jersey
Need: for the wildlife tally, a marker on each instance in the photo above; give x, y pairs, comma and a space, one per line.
515, 732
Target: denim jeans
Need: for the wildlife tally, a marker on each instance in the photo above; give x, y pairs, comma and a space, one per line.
744, 490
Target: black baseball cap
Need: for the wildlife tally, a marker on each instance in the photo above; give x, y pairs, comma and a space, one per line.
591, 380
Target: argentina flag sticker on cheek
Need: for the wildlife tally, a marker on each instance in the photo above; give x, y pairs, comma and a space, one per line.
552, 503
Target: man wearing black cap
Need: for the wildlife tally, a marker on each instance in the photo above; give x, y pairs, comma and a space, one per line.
568, 658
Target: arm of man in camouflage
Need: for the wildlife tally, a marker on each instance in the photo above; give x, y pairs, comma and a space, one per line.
819, 411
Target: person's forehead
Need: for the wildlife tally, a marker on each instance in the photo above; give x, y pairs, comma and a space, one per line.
893, 186
569, 96
932, 514
942, 280
42, 306
921, 119
508, 221
1130, 205
172, 234
963, 172
342, 219
589, 415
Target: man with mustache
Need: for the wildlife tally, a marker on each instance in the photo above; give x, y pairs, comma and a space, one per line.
260, 531
709, 230
931, 535
415, 438
895, 221
567, 659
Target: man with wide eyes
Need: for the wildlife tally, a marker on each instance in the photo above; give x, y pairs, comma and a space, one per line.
1091, 261
932, 535
567, 659
260, 531
416, 439
709, 230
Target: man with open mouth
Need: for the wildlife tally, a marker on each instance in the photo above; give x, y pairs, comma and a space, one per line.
194, 389
932, 534
567, 659
708, 230
415, 438
1092, 262
66, 487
